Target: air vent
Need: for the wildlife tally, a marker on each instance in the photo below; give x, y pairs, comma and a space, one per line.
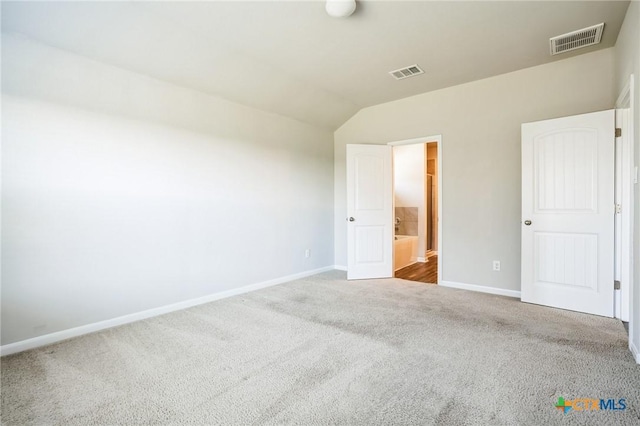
409, 71
576, 39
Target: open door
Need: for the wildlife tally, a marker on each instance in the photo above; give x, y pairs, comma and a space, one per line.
370, 212
568, 213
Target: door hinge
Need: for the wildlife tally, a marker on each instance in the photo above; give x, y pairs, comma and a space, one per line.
616, 285
618, 132
618, 209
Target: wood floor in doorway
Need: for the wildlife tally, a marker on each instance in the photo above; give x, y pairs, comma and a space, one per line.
426, 272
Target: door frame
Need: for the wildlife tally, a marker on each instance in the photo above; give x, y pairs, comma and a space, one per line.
437, 139
623, 300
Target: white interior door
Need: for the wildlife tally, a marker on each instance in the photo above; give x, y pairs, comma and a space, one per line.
567, 213
370, 212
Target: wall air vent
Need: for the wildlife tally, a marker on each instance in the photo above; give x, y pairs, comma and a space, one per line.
576, 39
409, 71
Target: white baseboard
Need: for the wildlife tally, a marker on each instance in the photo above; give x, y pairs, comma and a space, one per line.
59, 336
421, 259
481, 289
340, 267
634, 351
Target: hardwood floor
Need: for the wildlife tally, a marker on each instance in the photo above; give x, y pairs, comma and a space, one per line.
423, 272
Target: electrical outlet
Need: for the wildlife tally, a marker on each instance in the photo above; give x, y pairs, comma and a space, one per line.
496, 265
307, 253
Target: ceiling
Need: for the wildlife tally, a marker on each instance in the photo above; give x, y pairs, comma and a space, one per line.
291, 58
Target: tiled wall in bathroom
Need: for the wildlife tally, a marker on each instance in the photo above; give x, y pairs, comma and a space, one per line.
408, 221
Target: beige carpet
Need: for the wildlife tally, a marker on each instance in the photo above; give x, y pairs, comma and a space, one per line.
321, 351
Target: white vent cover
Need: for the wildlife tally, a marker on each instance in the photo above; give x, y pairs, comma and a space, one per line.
406, 72
576, 39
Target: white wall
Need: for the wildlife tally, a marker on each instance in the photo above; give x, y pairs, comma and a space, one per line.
627, 57
122, 193
480, 127
409, 170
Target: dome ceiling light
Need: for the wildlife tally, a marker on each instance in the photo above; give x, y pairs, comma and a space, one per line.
340, 8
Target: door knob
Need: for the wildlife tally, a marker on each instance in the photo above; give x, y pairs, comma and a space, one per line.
527, 222
351, 219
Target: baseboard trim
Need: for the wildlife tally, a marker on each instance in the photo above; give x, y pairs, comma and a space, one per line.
340, 267
481, 289
421, 259
634, 351
59, 336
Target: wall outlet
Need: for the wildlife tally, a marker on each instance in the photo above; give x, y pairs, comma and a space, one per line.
496, 265
307, 253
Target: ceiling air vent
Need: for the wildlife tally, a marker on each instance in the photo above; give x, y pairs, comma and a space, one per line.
576, 39
409, 71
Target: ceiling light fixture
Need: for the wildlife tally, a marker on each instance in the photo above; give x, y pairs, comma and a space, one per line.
340, 8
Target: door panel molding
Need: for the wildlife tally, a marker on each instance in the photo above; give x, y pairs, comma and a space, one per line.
369, 211
568, 212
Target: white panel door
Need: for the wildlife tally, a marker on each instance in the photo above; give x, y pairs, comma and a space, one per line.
369, 210
567, 213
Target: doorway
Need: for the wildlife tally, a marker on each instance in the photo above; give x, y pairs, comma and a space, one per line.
416, 200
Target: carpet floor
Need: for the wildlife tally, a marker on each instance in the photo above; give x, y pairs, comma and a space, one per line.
322, 350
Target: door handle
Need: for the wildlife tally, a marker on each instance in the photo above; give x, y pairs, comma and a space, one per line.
527, 222
351, 219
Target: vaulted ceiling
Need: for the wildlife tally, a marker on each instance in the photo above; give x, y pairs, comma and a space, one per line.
291, 58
